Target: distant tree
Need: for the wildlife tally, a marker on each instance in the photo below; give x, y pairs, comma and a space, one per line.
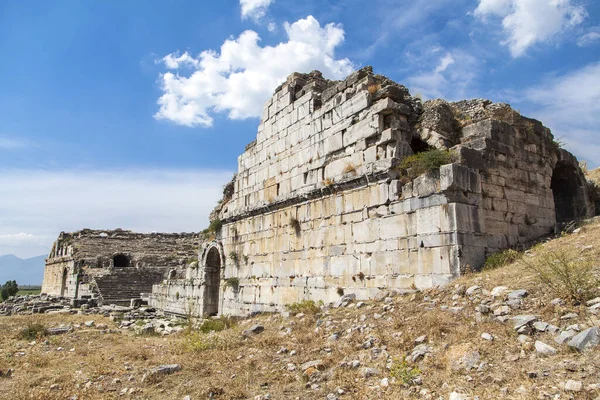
10, 288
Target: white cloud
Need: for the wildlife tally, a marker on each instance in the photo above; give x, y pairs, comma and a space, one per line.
451, 78
527, 22
240, 78
445, 62
37, 204
254, 9
593, 36
570, 105
12, 144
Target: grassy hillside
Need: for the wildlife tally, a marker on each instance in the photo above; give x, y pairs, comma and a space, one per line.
439, 343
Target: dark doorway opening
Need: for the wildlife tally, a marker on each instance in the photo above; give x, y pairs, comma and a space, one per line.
419, 146
212, 282
569, 198
63, 284
121, 261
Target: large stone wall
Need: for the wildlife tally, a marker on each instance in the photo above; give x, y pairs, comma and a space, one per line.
114, 265
320, 208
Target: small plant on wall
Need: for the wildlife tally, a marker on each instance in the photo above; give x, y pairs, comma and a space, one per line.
340, 291
233, 256
295, 225
232, 282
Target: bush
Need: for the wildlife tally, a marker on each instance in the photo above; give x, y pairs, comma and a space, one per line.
502, 258
308, 307
215, 226
232, 282
403, 372
420, 163
567, 273
32, 331
217, 325
10, 288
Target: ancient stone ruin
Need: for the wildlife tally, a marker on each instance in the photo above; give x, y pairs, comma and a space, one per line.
354, 186
114, 267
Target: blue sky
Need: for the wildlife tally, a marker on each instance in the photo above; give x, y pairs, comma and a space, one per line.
132, 114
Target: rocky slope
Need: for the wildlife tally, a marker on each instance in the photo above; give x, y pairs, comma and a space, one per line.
500, 333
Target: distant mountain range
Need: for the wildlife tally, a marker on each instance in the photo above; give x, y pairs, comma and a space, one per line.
29, 271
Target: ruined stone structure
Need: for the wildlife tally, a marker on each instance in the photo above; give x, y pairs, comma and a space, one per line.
114, 266
324, 204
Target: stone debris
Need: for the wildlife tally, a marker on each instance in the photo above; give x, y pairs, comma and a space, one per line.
518, 294
573, 386
585, 340
543, 348
254, 330
521, 321
156, 372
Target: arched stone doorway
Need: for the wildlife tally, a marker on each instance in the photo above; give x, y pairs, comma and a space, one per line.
120, 261
569, 196
212, 282
63, 283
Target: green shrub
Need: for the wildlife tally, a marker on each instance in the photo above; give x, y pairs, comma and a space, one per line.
502, 258
10, 288
232, 282
308, 307
217, 325
32, 331
569, 274
420, 163
215, 226
404, 373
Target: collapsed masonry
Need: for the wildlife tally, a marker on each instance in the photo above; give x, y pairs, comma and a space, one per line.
114, 267
321, 205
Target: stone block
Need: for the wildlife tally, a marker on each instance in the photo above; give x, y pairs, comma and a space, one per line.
459, 177
366, 231
394, 226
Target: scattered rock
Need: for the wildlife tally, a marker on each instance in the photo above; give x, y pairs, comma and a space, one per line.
502, 310
540, 326
569, 316
564, 336
463, 357
498, 291
573, 386
254, 330
518, 294
457, 396
156, 372
369, 372
487, 336
587, 339
520, 321
472, 290
421, 339
543, 348
61, 330
316, 364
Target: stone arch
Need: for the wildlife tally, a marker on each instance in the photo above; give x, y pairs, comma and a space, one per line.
63, 282
212, 262
568, 191
121, 261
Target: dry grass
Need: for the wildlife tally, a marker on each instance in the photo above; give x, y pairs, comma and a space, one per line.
350, 169
225, 365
